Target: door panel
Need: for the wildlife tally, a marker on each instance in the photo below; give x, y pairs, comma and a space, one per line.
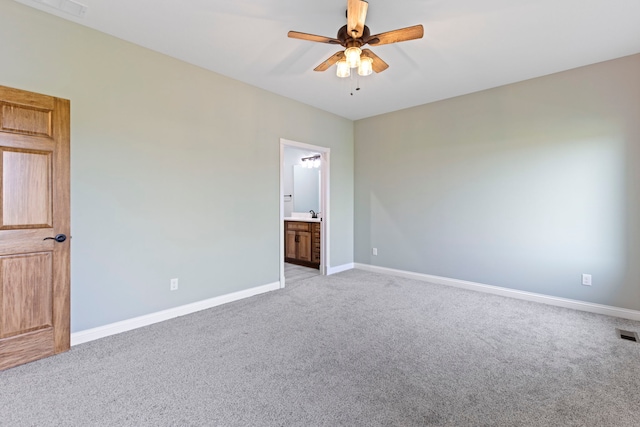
290, 245
26, 189
27, 120
304, 245
34, 205
26, 290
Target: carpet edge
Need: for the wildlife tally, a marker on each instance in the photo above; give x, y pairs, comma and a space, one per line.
590, 307
92, 334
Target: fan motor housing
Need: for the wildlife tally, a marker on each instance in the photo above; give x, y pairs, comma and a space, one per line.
347, 41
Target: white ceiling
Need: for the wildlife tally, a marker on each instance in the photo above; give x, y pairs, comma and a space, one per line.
469, 45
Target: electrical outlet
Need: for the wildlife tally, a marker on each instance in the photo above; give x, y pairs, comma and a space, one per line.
375, 251
174, 285
586, 279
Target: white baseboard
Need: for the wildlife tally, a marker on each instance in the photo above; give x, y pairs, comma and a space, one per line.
340, 268
512, 293
149, 319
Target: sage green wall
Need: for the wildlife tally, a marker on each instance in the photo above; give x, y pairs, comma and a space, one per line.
175, 169
525, 186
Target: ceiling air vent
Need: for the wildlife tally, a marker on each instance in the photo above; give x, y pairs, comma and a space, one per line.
627, 335
67, 6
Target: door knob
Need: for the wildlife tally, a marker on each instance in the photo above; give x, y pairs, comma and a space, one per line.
59, 238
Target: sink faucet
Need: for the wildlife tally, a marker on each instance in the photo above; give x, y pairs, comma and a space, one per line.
313, 214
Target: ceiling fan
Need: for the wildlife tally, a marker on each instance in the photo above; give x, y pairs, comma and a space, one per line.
353, 36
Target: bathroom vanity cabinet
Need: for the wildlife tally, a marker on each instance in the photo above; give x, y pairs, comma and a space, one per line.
302, 243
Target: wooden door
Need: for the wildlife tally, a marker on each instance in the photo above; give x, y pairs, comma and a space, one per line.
34, 206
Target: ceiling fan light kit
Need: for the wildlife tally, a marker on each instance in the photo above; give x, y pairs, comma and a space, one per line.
352, 37
353, 56
342, 69
366, 66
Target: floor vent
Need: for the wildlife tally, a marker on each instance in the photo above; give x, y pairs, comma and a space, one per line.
628, 335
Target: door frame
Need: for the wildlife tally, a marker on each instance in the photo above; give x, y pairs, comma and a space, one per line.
325, 155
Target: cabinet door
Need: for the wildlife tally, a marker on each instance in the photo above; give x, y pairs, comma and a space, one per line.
290, 244
304, 245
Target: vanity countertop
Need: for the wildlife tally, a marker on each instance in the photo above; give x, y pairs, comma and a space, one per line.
295, 218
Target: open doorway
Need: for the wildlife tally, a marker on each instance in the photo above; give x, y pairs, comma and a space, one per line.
305, 204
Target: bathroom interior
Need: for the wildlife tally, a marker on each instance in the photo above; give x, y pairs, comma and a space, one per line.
302, 214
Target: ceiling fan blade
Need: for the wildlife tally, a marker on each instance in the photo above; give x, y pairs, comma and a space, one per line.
378, 64
312, 37
356, 14
395, 36
330, 61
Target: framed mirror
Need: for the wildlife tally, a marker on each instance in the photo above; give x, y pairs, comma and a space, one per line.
306, 189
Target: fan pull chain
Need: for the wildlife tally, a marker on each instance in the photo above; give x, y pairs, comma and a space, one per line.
357, 78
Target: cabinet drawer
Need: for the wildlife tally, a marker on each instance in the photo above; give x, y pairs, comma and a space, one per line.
298, 226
